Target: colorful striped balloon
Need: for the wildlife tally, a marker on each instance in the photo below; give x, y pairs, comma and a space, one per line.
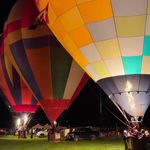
16, 93
110, 40
51, 74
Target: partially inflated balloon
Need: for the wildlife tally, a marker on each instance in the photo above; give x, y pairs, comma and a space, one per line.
52, 75
110, 40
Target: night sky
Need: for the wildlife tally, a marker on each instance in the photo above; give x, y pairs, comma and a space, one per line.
85, 110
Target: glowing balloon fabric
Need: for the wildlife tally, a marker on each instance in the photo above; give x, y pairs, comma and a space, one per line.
16, 93
110, 40
107, 37
132, 93
51, 74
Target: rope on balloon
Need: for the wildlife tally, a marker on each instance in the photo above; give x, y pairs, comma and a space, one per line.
117, 117
110, 110
120, 109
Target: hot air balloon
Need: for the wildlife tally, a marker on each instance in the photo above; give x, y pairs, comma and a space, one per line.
110, 41
17, 97
17, 93
50, 73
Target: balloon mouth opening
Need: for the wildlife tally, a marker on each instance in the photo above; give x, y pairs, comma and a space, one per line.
130, 94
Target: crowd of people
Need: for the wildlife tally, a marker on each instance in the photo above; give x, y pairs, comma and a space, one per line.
136, 138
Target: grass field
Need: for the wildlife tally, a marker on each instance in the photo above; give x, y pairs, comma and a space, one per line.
13, 143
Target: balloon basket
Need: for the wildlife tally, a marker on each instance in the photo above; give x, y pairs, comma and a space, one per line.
132, 143
22, 134
54, 137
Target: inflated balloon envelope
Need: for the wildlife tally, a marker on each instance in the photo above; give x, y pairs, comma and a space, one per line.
47, 69
110, 40
17, 95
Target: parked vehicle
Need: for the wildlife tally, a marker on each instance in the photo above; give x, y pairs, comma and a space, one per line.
82, 133
2, 132
42, 133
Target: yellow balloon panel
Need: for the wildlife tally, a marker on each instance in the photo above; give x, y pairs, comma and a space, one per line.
109, 48
130, 26
101, 69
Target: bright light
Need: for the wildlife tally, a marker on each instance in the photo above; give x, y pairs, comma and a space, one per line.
130, 98
55, 122
25, 119
125, 131
136, 118
128, 86
146, 133
18, 122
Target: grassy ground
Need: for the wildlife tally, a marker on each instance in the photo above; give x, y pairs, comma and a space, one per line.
12, 143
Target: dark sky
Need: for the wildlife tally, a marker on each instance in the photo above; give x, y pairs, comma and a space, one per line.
5, 6
85, 110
